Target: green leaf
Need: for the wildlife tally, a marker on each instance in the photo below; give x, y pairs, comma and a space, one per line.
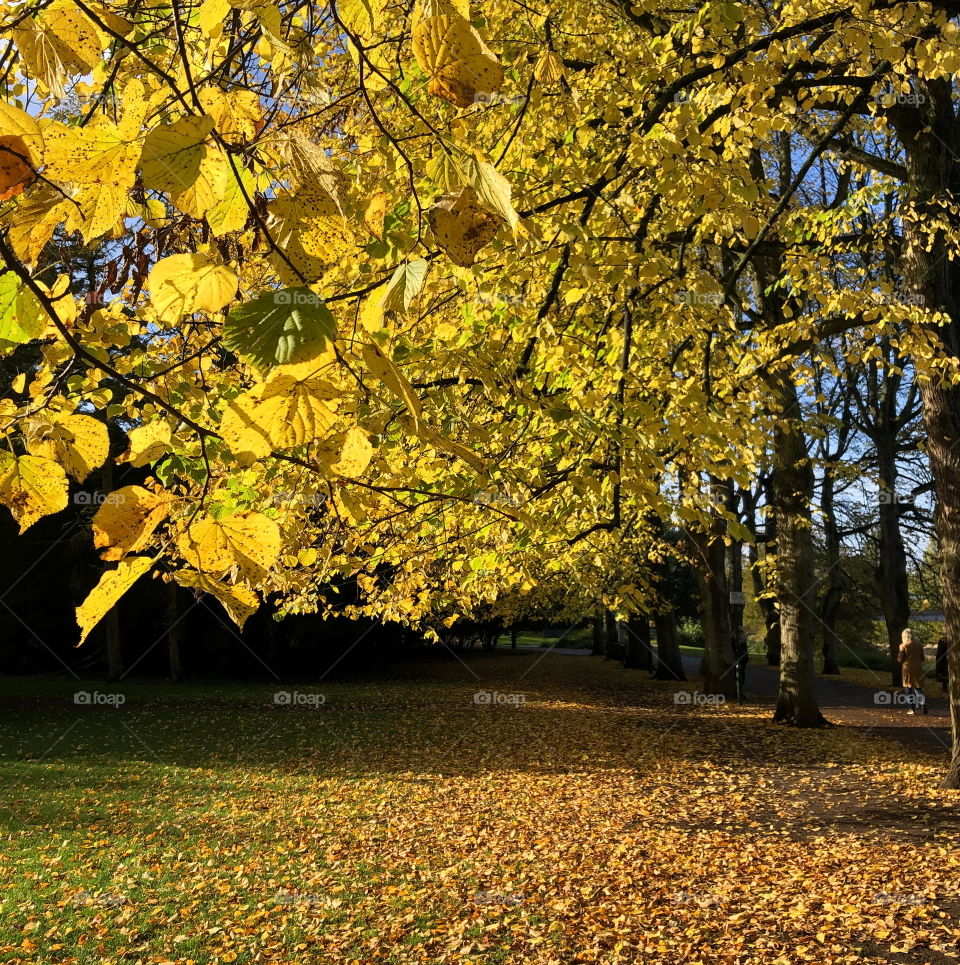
20, 315
280, 327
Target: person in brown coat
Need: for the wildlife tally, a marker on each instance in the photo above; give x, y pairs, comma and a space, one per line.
911, 660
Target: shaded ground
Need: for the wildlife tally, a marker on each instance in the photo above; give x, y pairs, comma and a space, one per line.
440, 818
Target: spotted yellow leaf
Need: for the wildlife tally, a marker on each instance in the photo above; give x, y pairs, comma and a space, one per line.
462, 68
126, 521
79, 443
249, 542
31, 487
462, 226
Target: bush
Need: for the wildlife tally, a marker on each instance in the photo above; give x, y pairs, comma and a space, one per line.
690, 632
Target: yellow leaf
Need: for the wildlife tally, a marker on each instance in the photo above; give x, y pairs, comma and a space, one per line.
549, 68
126, 521
147, 443
104, 596
237, 115
248, 541
238, 599
362, 17
172, 154
462, 68
493, 189
212, 17
16, 166
18, 123
383, 368
311, 212
462, 226
31, 487
79, 443
375, 212
209, 190
355, 453
184, 284
281, 413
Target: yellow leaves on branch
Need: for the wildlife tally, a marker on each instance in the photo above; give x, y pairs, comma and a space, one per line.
462, 69
79, 443
126, 521
104, 596
246, 544
184, 284
462, 226
31, 487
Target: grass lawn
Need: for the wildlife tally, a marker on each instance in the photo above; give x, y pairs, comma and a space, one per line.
401, 821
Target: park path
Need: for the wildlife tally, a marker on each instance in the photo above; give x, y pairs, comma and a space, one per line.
842, 702
849, 704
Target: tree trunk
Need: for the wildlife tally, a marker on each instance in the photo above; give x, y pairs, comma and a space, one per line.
513, 638
734, 567
114, 645
892, 558
669, 658
637, 652
718, 663
833, 596
929, 136
792, 493
173, 633
598, 635
611, 643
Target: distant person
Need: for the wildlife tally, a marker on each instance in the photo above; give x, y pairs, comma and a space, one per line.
943, 662
911, 659
741, 656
